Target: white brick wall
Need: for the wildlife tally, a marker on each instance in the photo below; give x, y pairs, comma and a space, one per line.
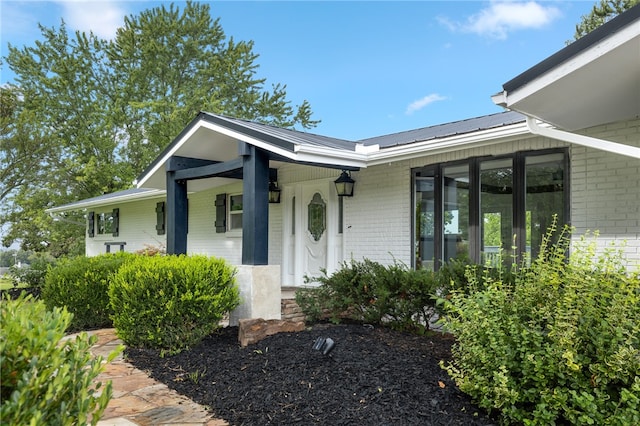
137, 228
605, 190
605, 196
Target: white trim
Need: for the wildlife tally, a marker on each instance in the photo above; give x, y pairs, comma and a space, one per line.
601, 144
152, 193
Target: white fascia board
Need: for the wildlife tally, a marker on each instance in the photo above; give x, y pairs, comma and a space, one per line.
453, 143
219, 129
157, 193
159, 164
564, 69
318, 154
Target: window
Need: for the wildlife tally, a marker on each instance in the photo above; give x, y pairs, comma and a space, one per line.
317, 216
235, 212
105, 222
484, 206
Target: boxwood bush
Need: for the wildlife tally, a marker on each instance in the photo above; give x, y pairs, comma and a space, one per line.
171, 302
81, 285
44, 381
559, 345
370, 292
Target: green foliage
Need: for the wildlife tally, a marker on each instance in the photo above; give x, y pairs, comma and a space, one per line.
367, 291
171, 302
559, 344
43, 381
602, 12
81, 285
33, 274
85, 115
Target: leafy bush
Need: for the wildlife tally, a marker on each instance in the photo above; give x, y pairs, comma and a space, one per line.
373, 293
33, 274
171, 302
43, 381
81, 285
559, 344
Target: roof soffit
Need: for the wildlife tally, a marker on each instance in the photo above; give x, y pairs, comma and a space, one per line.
599, 83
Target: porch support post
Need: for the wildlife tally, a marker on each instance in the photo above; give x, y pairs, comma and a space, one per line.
255, 205
177, 213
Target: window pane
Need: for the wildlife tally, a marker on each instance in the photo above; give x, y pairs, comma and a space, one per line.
235, 212
544, 196
235, 202
496, 209
316, 216
456, 211
424, 222
105, 223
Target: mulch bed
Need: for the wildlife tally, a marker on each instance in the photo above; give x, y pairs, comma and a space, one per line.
372, 375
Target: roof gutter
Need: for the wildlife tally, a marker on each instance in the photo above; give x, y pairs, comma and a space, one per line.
591, 142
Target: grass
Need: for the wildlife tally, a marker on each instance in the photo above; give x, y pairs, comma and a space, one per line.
6, 283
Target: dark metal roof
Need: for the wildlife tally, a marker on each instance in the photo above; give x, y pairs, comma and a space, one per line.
272, 134
446, 130
595, 36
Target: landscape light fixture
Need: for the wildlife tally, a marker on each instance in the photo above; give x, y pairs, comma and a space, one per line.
324, 345
344, 184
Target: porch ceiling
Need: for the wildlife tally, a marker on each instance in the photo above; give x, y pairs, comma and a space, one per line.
204, 144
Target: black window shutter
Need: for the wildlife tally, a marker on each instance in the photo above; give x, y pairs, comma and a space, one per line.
221, 213
160, 218
91, 224
116, 222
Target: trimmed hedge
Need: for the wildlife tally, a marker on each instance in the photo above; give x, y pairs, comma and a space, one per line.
81, 285
559, 345
43, 381
171, 302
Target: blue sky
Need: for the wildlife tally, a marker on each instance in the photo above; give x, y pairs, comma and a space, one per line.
367, 68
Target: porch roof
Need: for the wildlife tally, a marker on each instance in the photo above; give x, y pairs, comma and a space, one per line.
215, 137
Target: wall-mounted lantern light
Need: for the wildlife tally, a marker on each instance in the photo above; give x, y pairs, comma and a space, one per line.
344, 184
274, 193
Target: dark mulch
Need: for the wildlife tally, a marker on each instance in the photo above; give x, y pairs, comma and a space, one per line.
372, 375
15, 292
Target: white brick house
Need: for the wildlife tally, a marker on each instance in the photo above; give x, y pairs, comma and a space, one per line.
569, 146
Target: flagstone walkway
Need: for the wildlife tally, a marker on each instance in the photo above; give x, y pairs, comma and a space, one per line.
139, 400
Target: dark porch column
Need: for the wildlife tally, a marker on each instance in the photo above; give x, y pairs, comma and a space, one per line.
177, 214
255, 209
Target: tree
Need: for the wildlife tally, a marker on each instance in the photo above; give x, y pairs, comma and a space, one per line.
601, 13
86, 116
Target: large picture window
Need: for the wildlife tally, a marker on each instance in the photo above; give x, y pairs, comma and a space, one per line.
482, 207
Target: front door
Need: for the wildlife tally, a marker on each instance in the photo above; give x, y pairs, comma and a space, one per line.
312, 239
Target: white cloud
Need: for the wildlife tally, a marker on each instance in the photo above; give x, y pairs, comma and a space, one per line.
423, 102
503, 17
101, 17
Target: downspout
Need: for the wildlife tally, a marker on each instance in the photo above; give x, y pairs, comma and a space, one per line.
601, 144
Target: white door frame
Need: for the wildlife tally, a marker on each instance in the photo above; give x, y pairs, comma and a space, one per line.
293, 243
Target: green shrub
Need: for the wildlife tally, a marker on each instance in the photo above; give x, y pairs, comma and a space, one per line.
81, 285
43, 381
171, 302
558, 345
373, 293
